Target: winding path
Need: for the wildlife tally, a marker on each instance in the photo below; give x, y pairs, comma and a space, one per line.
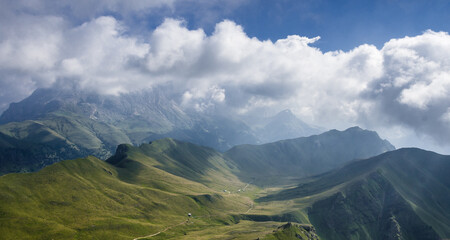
247, 185
251, 207
167, 228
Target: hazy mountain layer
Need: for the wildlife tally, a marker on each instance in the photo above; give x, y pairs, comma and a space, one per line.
85, 123
127, 111
285, 125
277, 162
90, 124
141, 116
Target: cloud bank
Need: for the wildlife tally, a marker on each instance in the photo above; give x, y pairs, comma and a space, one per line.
404, 86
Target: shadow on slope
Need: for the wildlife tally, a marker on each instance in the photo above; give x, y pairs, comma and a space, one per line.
404, 193
187, 160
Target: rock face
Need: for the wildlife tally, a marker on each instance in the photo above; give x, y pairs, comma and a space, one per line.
152, 107
142, 116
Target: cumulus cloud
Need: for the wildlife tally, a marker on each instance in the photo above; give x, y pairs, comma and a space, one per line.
29, 48
414, 88
174, 47
41, 51
404, 85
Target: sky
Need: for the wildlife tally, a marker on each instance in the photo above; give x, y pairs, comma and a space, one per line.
383, 65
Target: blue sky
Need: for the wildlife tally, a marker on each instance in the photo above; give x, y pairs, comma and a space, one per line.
383, 65
341, 24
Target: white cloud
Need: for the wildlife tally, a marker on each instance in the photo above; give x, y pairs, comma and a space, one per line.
414, 88
446, 116
103, 53
174, 46
30, 43
422, 94
406, 83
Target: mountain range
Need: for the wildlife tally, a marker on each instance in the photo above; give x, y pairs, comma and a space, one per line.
399, 194
69, 124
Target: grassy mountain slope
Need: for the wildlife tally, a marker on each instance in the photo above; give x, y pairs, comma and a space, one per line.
306, 156
368, 209
187, 160
402, 194
123, 198
32, 144
145, 190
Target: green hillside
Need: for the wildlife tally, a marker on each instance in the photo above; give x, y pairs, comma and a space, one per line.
126, 198
146, 192
30, 145
187, 160
403, 194
281, 162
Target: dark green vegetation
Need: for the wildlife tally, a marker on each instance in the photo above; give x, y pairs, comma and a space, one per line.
403, 194
30, 145
67, 124
282, 161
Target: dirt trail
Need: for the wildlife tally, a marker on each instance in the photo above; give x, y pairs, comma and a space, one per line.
246, 185
155, 234
251, 207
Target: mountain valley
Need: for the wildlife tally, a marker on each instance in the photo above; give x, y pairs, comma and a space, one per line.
146, 192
